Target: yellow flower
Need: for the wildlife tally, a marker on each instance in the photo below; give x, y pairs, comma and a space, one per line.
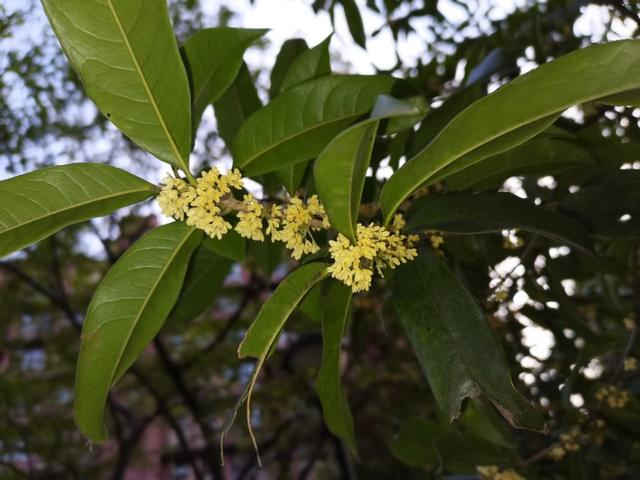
375, 247
175, 197
398, 221
557, 453
250, 220
294, 223
492, 472
630, 364
613, 396
512, 241
629, 323
436, 240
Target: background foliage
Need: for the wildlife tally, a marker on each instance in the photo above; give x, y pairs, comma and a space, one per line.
559, 312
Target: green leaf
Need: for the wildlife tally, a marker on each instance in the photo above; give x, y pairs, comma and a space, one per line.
493, 212
213, 59
459, 353
354, 22
406, 122
275, 311
307, 64
299, 123
310, 64
516, 112
335, 406
543, 155
205, 276
609, 205
231, 246
127, 57
127, 310
236, 105
37, 204
415, 443
341, 168
290, 50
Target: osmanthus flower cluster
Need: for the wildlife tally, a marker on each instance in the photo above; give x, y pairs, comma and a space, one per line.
206, 203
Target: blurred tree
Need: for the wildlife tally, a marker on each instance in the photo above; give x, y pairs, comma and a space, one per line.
567, 321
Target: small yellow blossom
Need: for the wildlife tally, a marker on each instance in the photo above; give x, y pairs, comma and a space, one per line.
570, 441
398, 221
492, 472
436, 240
613, 396
630, 364
294, 223
511, 240
557, 453
501, 295
375, 247
200, 204
629, 323
250, 220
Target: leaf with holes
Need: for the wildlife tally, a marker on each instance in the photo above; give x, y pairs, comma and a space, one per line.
127, 310
126, 54
37, 204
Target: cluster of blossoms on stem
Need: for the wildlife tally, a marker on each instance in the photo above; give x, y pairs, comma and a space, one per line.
204, 204
613, 396
569, 442
375, 248
200, 204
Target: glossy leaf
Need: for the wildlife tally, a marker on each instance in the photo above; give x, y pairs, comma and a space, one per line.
310, 64
127, 310
335, 406
231, 246
290, 50
205, 276
127, 57
459, 353
543, 155
236, 105
341, 168
299, 123
493, 212
275, 311
609, 205
516, 112
214, 57
37, 204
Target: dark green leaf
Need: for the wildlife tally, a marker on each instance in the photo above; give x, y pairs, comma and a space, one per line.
354, 22
37, 204
609, 205
236, 105
335, 406
543, 155
231, 246
341, 168
299, 123
458, 351
275, 312
517, 111
127, 310
127, 57
310, 64
415, 443
214, 57
493, 212
290, 50
205, 276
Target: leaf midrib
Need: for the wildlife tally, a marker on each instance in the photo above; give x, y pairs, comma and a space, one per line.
478, 145
74, 206
142, 308
145, 84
